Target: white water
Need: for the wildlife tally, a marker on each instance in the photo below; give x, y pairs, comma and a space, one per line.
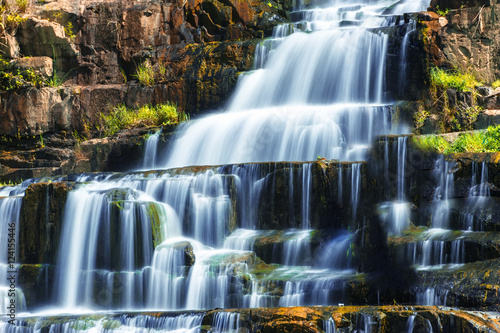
151, 151
397, 211
443, 173
317, 94
478, 199
9, 239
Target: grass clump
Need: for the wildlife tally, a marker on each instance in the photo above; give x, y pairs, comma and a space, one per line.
442, 79
122, 117
149, 74
475, 142
145, 73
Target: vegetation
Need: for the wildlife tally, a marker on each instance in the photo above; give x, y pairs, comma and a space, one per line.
147, 74
472, 142
442, 12
460, 81
461, 111
122, 117
12, 78
495, 84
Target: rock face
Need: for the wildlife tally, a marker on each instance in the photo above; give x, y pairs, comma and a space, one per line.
41, 222
466, 39
97, 46
66, 153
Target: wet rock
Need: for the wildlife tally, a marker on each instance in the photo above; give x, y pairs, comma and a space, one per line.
37, 283
41, 222
473, 286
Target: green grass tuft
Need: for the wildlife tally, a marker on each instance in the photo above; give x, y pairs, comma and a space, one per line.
122, 117
442, 79
145, 74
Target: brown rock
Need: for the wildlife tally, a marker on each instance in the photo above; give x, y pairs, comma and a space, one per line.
41, 65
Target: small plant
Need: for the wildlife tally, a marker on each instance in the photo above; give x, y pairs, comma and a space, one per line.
41, 141
145, 74
54, 81
122, 117
419, 118
433, 143
69, 31
495, 84
22, 5
124, 75
442, 12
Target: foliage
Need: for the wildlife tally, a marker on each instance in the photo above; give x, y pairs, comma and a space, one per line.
149, 74
419, 118
432, 143
69, 31
10, 183
460, 81
55, 80
145, 74
41, 144
12, 78
22, 5
495, 84
442, 12
122, 117
10, 15
473, 142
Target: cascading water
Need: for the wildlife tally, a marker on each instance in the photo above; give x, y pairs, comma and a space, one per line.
397, 215
155, 240
478, 198
441, 208
10, 207
151, 150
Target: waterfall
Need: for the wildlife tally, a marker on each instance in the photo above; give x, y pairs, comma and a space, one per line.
444, 176
478, 198
9, 238
430, 296
397, 218
151, 150
99, 243
226, 322
184, 239
329, 326
410, 29
410, 324
440, 247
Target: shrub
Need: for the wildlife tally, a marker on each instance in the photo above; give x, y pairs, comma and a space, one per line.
122, 117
